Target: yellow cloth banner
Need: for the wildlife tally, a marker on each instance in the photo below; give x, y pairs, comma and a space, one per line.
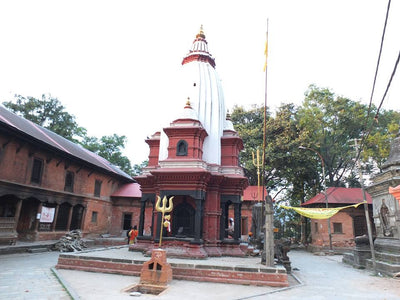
266, 54
319, 213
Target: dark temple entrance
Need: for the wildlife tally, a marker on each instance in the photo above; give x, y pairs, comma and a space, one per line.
183, 220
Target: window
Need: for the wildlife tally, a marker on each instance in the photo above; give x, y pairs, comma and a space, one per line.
182, 148
316, 227
69, 182
97, 188
127, 221
94, 216
37, 169
337, 228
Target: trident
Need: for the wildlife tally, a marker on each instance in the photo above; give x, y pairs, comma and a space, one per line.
257, 164
163, 209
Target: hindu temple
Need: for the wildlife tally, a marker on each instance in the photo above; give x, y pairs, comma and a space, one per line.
195, 160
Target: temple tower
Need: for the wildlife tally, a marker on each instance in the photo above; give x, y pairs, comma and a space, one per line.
198, 164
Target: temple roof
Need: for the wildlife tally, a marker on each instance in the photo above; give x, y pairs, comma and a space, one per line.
199, 50
56, 143
200, 82
129, 190
188, 112
340, 195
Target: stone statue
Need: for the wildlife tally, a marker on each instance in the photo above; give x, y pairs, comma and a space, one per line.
384, 218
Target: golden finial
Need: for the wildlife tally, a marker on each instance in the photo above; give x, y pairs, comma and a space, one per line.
201, 32
188, 103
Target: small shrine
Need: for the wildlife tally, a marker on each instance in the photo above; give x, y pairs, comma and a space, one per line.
386, 211
195, 160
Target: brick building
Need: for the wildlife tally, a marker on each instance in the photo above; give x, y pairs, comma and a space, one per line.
346, 224
49, 185
250, 197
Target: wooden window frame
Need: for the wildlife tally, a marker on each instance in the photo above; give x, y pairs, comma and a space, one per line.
97, 188
69, 186
37, 178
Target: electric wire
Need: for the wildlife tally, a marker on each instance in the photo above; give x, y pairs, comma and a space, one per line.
368, 129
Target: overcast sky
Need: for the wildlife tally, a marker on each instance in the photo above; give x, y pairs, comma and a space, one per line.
113, 63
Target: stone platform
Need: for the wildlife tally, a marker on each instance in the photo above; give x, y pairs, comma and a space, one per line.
234, 270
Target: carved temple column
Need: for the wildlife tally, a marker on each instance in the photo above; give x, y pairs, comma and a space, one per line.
197, 220
141, 217
238, 224
223, 220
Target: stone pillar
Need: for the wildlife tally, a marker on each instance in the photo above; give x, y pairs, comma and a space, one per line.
141, 218
238, 224
197, 221
223, 221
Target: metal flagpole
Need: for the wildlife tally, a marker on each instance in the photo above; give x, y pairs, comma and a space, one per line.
369, 229
269, 213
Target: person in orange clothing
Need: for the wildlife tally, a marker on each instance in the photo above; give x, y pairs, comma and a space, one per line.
133, 233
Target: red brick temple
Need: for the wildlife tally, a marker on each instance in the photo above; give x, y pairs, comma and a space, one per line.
196, 160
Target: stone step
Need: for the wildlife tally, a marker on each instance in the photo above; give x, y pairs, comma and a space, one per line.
37, 250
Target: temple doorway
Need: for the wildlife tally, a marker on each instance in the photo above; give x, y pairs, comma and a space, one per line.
183, 220
26, 223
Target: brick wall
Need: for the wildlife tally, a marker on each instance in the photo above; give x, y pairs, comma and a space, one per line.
16, 162
320, 237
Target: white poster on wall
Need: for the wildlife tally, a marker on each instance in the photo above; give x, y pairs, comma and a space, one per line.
47, 215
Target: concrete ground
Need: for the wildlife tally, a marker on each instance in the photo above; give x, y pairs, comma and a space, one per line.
28, 276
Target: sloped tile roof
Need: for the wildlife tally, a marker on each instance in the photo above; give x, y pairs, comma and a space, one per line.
251, 193
56, 142
128, 190
340, 195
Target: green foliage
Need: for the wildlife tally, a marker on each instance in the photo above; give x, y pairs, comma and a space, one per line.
377, 144
49, 113
326, 123
110, 148
249, 125
137, 168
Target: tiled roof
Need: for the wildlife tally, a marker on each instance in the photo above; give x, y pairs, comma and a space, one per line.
251, 193
56, 143
128, 190
340, 195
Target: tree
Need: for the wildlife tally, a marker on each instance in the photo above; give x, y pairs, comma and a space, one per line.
110, 147
334, 122
324, 122
249, 125
138, 168
378, 141
49, 113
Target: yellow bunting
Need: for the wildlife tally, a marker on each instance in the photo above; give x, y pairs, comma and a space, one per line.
319, 213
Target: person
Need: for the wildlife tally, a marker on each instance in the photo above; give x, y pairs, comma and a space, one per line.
133, 233
231, 227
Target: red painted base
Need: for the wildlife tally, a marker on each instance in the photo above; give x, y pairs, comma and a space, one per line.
259, 276
182, 249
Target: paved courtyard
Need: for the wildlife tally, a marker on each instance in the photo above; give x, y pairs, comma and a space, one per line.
29, 276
